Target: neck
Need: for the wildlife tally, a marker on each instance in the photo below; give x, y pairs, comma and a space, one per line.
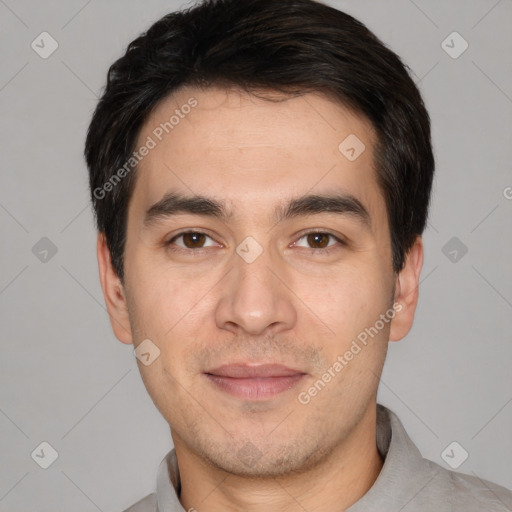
333, 485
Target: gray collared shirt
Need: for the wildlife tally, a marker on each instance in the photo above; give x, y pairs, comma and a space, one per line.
406, 483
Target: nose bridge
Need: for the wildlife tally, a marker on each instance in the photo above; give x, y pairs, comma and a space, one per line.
253, 298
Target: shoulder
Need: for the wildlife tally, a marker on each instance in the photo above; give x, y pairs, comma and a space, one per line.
147, 504
465, 492
415, 484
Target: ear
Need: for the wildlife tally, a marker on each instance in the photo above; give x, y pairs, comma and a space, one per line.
114, 293
406, 292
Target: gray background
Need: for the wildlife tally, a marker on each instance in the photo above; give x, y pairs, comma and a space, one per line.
66, 380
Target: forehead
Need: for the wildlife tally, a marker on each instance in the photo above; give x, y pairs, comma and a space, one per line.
250, 151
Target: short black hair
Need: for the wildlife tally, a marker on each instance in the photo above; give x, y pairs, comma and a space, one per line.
288, 46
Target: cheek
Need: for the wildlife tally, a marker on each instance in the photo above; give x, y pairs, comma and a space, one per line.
172, 311
161, 300
164, 312
346, 301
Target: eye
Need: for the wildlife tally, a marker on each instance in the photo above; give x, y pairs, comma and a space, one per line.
190, 240
196, 240
319, 240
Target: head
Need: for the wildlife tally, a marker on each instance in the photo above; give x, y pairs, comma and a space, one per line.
227, 136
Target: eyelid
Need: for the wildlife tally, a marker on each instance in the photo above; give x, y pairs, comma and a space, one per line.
338, 238
185, 232
341, 241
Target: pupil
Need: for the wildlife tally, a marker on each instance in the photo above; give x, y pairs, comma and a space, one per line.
195, 238
317, 238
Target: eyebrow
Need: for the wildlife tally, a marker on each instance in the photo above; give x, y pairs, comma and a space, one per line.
173, 203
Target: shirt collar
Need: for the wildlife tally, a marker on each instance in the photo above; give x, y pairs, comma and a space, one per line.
403, 475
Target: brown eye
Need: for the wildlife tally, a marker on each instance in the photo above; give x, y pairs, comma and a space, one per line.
190, 240
193, 240
318, 240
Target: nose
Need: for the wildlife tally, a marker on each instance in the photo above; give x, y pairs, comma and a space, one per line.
255, 299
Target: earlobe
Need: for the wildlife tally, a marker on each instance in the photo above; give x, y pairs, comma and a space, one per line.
407, 292
113, 292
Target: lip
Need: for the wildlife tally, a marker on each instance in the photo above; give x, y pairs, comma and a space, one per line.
254, 382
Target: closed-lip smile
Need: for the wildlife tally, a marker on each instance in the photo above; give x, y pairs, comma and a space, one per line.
254, 381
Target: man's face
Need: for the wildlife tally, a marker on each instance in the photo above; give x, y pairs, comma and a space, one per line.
255, 287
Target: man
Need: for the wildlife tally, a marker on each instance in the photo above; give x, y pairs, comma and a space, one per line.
261, 175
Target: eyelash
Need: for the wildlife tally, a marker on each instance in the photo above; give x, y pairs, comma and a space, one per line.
312, 250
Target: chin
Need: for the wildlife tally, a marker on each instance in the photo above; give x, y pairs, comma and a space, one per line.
264, 460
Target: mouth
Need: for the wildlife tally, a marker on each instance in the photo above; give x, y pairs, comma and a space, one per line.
254, 382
